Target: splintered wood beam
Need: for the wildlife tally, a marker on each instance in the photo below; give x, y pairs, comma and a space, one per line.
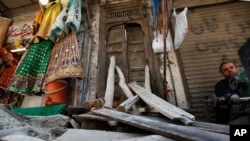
109, 93
131, 101
123, 84
127, 104
173, 131
165, 108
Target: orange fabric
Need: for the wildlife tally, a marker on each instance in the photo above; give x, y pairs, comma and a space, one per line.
7, 73
39, 17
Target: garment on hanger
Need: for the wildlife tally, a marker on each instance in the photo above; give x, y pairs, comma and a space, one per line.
9, 67
65, 60
51, 12
30, 73
68, 19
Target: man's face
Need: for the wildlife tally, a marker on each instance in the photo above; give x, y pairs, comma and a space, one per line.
229, 70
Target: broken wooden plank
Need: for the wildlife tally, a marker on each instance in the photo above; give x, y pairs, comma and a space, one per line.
127, 104
123, 84
178, 132
219, 128
147, 138
109, 93
81, 117
147, 79
165, 108
213, 127
131, 101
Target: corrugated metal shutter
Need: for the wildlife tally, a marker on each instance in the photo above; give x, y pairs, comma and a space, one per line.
215, 33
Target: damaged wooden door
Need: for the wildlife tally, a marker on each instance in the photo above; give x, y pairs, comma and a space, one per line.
125, 42
125, 35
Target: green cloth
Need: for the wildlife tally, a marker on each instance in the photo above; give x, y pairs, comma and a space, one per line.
30, 74
40, 111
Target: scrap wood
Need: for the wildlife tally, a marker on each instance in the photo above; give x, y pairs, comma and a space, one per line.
89, 116
109, 93
212, 127
132, 100
219, 128
147, 79
165, 108
127, 104
173, 131
123, 84
147, 138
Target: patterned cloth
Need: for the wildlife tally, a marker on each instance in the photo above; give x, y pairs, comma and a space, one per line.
9, 67
65, 60
68, 19
29, 76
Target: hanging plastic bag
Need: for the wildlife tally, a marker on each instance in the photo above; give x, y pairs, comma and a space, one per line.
181, 27
158, 45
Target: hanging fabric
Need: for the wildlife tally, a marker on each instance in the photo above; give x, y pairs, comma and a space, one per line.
65, 61
68, 19
156, 7
157, 43
9, 67
30, 73
48, 20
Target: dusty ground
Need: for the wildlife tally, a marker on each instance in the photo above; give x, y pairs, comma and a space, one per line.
45, 129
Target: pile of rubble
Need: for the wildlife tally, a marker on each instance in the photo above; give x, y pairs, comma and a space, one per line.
44, 128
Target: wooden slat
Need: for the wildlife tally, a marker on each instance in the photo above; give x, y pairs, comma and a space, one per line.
108, 99
90, 116
219, 128
147, 138
161, 105
172, 131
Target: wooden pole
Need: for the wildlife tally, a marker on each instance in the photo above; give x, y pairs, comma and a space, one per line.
164, 24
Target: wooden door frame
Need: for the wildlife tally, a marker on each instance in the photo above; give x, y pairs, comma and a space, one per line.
142, 20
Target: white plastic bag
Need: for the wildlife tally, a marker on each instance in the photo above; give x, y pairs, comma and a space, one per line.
158, 45
181, 27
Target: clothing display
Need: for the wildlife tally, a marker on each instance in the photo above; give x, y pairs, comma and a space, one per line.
48, 19
8, 68
38, 20
68, 19
65, 60
30, 73
51, 54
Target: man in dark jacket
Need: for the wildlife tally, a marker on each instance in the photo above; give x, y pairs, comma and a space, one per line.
222, 88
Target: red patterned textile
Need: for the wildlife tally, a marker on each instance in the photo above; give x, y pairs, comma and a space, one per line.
7, 72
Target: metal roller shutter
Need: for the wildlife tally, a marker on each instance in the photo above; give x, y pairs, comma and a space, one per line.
216, 32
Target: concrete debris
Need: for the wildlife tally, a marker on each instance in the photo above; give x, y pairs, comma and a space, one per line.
12, 123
